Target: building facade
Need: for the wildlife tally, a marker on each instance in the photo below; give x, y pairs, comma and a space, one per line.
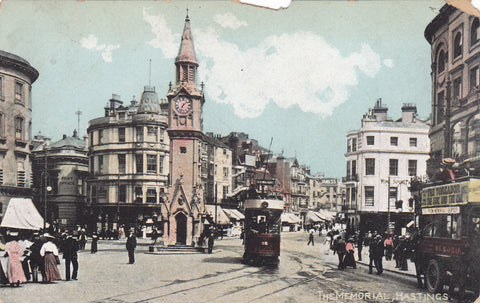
128, 153
455, 60
16, 79
62, 167
382, 157
325, 193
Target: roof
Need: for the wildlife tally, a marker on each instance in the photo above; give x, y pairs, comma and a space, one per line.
73, 141
186, 52
438, 21
18, 63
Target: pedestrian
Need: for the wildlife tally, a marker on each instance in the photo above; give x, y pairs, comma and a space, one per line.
70, 255
211, 240
388, 248
94, 245
15, 271
25, 244
82, 239
378, 254
154, 236
360, 245
310, 238
36, 260
340, 249
350, 256
131, 245
49, 252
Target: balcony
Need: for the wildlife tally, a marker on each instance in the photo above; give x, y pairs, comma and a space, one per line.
351, 178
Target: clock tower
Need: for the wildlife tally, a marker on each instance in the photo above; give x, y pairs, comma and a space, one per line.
185, 205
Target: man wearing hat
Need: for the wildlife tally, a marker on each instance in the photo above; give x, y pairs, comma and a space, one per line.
70, 249
447, 172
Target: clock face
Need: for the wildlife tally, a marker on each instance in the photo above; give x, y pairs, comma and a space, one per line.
183, 105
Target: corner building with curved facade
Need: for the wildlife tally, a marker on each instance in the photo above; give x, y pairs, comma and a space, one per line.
128, 158
16, 79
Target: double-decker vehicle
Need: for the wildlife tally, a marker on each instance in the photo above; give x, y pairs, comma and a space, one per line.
262, 230
449, 249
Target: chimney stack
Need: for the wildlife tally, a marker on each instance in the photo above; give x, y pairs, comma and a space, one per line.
409, 112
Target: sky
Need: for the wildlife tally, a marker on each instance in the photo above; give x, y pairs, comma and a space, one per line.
300, 77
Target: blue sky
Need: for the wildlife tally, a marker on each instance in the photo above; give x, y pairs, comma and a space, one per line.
303, 76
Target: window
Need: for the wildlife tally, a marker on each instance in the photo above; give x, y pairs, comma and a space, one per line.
474, 78
457, 88
151, 163
19, 92
441, 61
100, 164
100, 136
369, 195
2, 97
162, 134
21, 181
94, 194
2, 125
121, 134
122, 193
394, 141
440, 107
457, 45
121, 115
19, 125
151, 195
393, 196
370, 140
183, 150
474, 32
152, 133
138, 195
354, 168
225, 171
348, 169
349, 145
370, 167
354, 144
225, 191
139, 163
139, 131
92, 165
121, 163
412, 168
160, 167
413, 142
393, 167
91, 139
102, 192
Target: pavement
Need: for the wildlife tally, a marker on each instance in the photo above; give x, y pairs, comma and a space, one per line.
387, 265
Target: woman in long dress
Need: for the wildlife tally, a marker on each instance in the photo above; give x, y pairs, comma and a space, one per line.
14, 269
49, 252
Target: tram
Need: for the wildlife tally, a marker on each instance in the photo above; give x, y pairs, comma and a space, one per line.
262, 230
448, 253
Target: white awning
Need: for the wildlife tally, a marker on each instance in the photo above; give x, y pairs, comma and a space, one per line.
234, 214
221, 218
290, 218
22, 214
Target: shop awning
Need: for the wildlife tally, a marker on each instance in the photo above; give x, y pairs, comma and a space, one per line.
312, 217
22, 214
290, 218
234, 214
325, 214
221, 218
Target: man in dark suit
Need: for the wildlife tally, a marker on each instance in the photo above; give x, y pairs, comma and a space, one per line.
70, 249
131, 245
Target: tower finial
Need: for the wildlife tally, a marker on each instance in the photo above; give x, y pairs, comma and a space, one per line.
187, 18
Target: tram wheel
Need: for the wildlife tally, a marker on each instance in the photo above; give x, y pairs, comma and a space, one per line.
434, 277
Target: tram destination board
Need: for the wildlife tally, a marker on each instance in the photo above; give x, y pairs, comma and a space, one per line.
452, 194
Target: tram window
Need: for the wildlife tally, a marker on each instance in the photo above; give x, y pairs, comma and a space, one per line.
475, 226
261, 219
449, 225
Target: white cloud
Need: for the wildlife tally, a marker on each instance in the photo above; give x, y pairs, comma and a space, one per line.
164, 39
291, 69
476, 4
388, 63
228, 20
91, 43
273, 4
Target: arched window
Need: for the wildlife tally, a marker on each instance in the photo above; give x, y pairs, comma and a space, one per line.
458, 140
457, 45
474, 32
441, 61
473, 144
19, 128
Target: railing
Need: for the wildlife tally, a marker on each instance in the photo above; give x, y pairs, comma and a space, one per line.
350, 178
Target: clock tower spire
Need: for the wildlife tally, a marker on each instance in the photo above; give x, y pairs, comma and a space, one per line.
185, 205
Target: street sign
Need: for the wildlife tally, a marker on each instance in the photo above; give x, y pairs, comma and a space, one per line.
265, 182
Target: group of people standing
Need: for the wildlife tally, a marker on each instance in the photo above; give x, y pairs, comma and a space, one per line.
397, 247
28, 256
